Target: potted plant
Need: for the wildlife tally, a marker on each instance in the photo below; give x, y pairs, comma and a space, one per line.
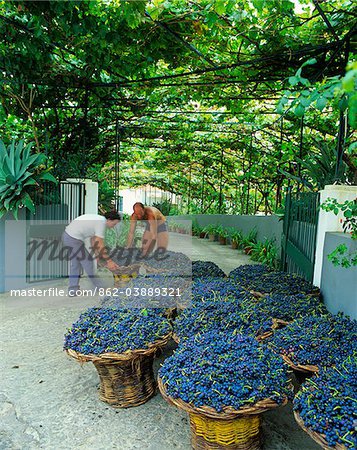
172, 226
236, 237
210, 231
20, 175
222, 234
265, 252
196, 229
249, 240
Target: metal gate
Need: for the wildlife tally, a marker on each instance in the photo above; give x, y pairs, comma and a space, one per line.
56, 206
299, 233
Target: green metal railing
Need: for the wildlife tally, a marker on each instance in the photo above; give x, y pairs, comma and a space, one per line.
299, 233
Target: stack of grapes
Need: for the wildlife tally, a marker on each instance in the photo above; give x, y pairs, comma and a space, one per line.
214, 290
204, 269
246, 274
122, 345
224, 381
226, 316
313, 343
325, 406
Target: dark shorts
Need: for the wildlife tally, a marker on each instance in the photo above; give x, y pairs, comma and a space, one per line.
162, 228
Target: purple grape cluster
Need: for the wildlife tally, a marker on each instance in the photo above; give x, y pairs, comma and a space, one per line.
326, 403
246, 274
166, 262
170, 263
204, 269
321, 341
281, 283
285, 307
218, 369
220, 317
104, 330
207, 290
157, 292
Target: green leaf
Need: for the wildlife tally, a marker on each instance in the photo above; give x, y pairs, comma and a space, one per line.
48, 177
299, 110
343, 104
349, 80
310, 62
220, 7
305, 102
280, 108
321, 103
294, 81
27, 201
10, 179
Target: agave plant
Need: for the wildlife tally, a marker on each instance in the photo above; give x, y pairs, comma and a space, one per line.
19, 173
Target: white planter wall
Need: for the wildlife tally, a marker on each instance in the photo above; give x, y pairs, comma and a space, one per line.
328, 221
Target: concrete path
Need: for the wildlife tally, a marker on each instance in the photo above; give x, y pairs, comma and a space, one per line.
48, 401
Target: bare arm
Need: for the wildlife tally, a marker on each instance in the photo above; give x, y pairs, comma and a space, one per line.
101, 252
131, 233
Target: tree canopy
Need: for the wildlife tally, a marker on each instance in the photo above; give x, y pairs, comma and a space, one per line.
224, 102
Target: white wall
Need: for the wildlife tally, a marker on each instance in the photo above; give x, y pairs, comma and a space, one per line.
91, 194
328, 221
145, 194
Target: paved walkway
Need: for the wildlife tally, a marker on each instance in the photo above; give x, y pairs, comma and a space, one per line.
48, 401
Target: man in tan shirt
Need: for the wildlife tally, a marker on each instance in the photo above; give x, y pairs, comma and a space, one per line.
156, 232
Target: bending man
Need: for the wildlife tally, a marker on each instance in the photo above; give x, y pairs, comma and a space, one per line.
88, 226
155, 231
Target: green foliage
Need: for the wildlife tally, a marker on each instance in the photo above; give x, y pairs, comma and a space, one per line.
196, 229
250, 238
20, 172
105, 197
340, 256
319, 169
222, 232
166, 207
266, 253
210, 229
338, 91
172, 84
117, 236
349, 210
236, 236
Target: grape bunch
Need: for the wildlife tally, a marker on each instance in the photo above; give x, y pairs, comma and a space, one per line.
204, 269
327, 405
220, 317
104, 330
170, 263
285, 307
208, 290
157, 292
281, 283
320, 341
218, 369
244, 275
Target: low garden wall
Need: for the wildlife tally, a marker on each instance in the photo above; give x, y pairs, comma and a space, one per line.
267, 226
338, 284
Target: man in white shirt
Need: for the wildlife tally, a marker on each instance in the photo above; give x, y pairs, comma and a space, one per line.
83, 227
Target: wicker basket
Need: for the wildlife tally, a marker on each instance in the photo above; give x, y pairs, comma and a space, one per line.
126, 379
317, 437
229, 430
306, 369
